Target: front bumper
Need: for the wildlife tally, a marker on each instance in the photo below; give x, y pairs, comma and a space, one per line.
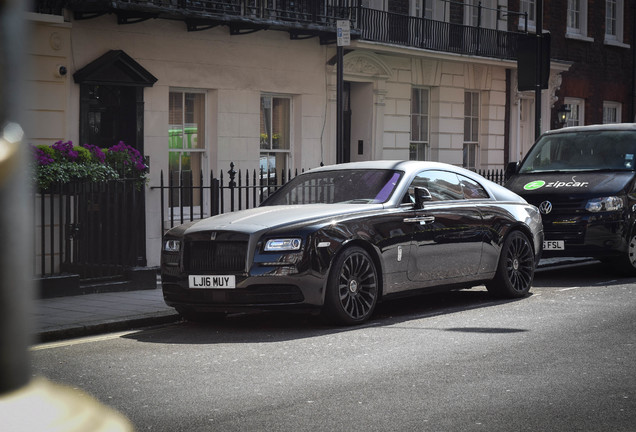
251, 293
601, 235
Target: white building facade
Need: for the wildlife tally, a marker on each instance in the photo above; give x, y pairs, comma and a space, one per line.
265, 100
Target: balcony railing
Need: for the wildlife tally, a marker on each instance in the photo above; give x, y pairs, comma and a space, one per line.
386, 27
304, 18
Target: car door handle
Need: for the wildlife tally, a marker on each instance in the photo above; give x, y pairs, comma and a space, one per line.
422, 220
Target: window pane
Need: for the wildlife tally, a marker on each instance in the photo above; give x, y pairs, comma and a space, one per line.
194, 131
424, 101
266, 122
474, 129
469, 160
467, 103
442, 185
280, 123
416, 102
175, 115
472, 189
610, 17
415, 128
467, 129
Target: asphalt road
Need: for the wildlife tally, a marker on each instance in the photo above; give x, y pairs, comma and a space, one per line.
562, 359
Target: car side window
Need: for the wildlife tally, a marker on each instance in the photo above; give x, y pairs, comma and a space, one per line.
472, 189
442, 185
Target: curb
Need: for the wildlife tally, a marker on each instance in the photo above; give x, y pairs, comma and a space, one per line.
107, 327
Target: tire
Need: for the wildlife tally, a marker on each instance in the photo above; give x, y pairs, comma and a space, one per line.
515, 270
200, 317
352, 288
626, 264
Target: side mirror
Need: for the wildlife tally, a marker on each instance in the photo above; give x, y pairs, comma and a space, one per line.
511, 169
422, 195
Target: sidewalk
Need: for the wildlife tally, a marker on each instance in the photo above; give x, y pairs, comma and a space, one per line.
90, 314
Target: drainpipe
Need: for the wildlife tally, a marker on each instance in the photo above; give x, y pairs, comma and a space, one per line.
539, 68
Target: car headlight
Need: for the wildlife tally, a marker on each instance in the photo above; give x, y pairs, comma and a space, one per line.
611, 203
285, 244
172, 246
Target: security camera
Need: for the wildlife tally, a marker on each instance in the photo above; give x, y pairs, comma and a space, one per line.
61, 70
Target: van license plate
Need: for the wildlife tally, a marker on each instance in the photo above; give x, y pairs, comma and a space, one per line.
553, 245
212, 282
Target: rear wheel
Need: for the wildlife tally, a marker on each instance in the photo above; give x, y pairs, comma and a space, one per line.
516, 267
352, 288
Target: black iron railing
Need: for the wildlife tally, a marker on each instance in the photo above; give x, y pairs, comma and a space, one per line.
186, 198
90, 229
380, 26
307, 18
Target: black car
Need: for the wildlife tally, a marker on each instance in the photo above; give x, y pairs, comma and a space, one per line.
582, 179
338, 239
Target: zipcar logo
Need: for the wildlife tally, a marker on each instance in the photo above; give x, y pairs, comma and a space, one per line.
534, 185
555, 184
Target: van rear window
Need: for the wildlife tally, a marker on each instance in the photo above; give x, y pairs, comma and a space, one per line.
582, 151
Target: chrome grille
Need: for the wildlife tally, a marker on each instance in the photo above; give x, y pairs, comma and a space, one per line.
215, 256
561, 207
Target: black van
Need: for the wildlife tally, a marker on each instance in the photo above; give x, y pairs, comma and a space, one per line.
582, 180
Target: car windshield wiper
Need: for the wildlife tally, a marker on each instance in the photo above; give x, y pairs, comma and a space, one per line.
575, 170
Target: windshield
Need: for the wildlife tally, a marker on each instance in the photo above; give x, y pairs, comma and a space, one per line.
338, 186
582, 151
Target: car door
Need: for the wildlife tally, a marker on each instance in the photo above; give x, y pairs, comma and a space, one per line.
447, 234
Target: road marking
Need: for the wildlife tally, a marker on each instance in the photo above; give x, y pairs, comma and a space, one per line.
568, 289
84, 340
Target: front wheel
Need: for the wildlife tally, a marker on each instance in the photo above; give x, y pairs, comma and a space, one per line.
515, 271
626, 264
352, 288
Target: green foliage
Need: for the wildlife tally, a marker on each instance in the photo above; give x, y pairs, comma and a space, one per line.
66, 172
63, 162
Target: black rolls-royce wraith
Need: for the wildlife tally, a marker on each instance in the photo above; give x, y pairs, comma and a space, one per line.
340, 238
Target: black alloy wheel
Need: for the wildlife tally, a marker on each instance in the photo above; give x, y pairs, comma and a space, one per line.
352, 288
516, 267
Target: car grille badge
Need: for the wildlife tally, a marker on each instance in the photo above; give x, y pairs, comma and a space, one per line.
545, 207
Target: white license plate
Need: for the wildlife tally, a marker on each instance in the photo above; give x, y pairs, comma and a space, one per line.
553, 245
212, 281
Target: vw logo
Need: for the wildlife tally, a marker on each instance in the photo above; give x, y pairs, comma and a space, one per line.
545, 207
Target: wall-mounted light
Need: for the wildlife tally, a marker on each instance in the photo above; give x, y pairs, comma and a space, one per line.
563, 114
61, 71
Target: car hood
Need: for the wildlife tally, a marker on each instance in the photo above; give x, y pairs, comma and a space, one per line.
584, 184
268, 217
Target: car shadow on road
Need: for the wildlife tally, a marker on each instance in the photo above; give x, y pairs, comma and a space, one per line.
584, 274
280, 326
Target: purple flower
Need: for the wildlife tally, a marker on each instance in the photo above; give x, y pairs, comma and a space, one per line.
127, 156
96, 152
65, 150
42, 157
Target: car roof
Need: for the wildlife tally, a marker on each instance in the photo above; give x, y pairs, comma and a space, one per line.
595, 128
399, 165
410, 168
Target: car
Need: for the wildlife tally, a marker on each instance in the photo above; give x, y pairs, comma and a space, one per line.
338, 239
583, 180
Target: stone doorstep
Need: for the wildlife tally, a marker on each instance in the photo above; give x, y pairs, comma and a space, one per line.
136, 278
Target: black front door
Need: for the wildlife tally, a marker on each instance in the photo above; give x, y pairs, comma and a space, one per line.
110, 115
